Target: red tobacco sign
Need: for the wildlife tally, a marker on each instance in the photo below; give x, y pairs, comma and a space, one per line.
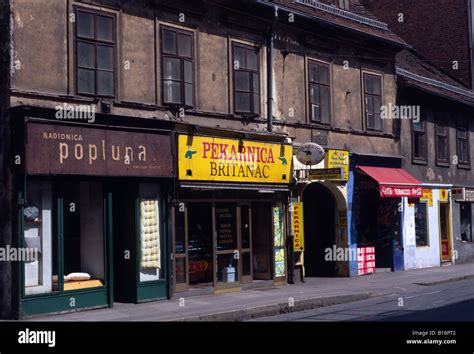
400, 191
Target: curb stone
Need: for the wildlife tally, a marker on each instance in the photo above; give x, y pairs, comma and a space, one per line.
277, 309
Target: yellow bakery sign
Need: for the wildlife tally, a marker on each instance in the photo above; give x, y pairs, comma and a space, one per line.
231, 160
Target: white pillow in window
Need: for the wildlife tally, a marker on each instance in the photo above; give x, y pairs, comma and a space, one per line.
77, 276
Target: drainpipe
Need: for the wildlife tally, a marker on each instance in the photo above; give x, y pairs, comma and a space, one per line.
470, 16
270, 72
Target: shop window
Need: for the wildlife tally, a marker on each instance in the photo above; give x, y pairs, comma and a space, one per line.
372, 101
177, 73
150, 233
246, 80
83, 235
40, 263
421, 223
200, 243
419, 141
95, 53
319, 92
462, 139
466, 222
442, 143
279, 240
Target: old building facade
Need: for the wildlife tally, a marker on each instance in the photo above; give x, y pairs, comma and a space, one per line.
148, 147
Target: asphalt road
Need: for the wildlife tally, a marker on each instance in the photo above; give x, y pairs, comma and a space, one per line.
452, 301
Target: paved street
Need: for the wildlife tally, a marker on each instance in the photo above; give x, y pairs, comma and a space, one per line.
422, 287
452, 301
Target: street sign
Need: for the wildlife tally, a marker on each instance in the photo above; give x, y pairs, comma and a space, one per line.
326, 174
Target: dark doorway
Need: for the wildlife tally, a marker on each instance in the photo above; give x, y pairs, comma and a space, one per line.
261, 241
319, 226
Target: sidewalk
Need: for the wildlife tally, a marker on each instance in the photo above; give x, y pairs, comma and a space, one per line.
268, 301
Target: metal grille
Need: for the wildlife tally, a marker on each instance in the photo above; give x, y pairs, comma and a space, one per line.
436, 83
343, 13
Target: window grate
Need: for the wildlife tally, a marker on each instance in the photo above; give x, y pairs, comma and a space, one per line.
343, 13
436, 83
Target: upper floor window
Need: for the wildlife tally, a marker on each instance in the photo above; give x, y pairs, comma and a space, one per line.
343, 4
372, 101
462, 138
419, 140
442, 142
177, 74
319, 92
246, 80
95, 53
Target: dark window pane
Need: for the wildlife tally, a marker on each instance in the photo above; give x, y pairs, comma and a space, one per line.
85, 24
242, 102
418, 126
104, 28
442, 154
184, 45
242, 80
324, 96
172, 92
246, 263
313, 73
239, 57
171, 69
377, 122
323, 74
325, 114
105, 83
188, 72
85, 81
85, 55
315, 112
256, 103
188, 93
105, 58
418, 145
369, 104
252, 59
256, 83
370, 121
169, 42
377, 105
368, 84
314, 94
421, 225
377, 86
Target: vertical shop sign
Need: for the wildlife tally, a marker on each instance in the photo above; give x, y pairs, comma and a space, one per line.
298, 227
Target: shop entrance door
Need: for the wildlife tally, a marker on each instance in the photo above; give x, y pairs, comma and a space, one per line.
445, 231
212, 245
228, 245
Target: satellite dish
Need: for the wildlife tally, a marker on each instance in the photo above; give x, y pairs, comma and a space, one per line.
310, 154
